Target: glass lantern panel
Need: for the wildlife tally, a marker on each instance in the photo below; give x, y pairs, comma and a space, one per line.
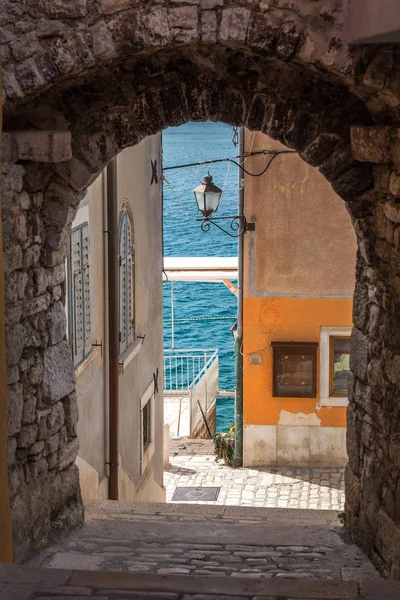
212, 201
200, 199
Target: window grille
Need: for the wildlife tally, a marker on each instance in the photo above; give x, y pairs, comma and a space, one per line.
126, 282
80, 334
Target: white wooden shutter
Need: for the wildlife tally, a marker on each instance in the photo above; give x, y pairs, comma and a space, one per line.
81, 334
86, 289
77, 296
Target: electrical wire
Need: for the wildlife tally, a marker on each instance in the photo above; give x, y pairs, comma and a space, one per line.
177, 198
266, 168
246, 156
229, 160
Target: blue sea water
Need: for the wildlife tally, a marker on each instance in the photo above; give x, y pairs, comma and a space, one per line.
194, 142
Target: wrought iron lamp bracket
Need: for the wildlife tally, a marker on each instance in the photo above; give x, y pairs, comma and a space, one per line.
238, 225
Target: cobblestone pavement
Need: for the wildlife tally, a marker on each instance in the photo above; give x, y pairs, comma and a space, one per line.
193, 464
254, 544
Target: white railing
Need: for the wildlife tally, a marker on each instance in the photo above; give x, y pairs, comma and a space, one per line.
193, 373
183, 367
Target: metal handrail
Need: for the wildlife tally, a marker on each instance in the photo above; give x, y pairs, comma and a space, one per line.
182, 371
176, 351
204, 369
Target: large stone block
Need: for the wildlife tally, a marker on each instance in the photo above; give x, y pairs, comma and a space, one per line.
395, 184
396, 148
11, 448
234, 24
75, 174
393, 370
353, 490
59, 377
68, 454
15, 341
29, 75
353, 438
65, 8
71, 414
52, 443
392, 211
27, 436
320, 148
388, 539
12, 258
209, 26
55, 420
29, 410
58, 323
359, 354
103, 43
64, 490
15, 405
36, 305
360, 304
371, 144
109, 7
43, 146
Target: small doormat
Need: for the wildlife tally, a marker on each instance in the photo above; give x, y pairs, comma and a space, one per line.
190, 494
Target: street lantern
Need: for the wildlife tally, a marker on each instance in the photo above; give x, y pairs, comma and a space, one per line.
208, 196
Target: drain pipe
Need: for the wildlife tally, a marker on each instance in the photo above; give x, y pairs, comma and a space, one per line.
238, 452
113, 327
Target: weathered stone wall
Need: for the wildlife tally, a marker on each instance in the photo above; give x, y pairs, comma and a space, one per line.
85, 79
42, 413
373, 471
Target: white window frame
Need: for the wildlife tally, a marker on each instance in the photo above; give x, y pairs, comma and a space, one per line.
147, 453
324, 357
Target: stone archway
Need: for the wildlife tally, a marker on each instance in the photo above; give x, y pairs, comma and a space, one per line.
86, 78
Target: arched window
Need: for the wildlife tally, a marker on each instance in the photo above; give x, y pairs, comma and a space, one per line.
126, 282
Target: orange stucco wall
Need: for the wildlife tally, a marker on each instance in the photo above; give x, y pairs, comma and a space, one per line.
299, 271
285, 319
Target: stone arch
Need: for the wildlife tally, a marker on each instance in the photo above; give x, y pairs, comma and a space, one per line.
90, 77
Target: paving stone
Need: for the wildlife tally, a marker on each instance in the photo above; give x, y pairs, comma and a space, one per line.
69, 560
293, 487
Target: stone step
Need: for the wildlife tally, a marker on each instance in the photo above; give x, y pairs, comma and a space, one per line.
22, 583
192, 512
200, 540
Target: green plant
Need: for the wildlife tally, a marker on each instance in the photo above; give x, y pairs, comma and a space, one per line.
224, 445
342, 518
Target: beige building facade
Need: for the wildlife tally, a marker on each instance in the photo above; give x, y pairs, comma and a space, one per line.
140, 443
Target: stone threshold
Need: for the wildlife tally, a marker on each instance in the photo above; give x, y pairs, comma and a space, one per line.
100, 509
22, 583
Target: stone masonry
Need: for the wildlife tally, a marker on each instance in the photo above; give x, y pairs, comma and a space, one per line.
42, 409
86, 78
210, 541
